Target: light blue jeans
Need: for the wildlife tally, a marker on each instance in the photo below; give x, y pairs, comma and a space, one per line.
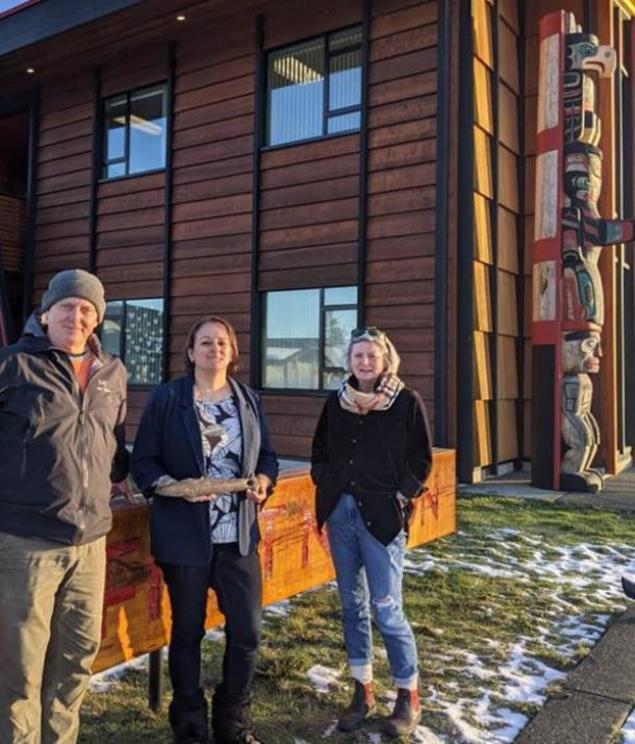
370, 574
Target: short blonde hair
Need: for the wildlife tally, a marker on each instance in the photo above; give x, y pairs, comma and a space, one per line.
392, 360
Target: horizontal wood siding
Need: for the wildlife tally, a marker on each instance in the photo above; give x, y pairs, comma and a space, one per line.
212, 194
64, 175
400, 233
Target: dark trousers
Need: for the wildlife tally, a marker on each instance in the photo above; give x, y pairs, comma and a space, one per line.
237, 582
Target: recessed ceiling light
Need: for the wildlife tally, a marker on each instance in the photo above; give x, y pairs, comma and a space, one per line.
30, 70
180, 18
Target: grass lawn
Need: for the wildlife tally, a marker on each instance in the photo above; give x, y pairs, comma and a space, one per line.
501, 611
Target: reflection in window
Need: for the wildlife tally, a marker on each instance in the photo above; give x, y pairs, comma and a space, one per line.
315, 88
133, 330
305, 335
134, 135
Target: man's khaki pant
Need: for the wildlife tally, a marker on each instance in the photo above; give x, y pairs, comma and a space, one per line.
51, 599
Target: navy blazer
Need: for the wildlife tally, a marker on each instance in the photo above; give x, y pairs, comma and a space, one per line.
168, 442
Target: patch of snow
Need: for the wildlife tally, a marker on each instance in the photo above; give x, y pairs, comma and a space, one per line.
278, 609
103, 681
322, 677
627, 734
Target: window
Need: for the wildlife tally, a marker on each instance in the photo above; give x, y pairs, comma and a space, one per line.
133, 330
134, 135
315, 88
305, 335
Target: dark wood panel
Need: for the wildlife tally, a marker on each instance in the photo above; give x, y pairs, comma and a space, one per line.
63, 181
240, 86
63, 166
410, 270
209, 189
76, 129
213, 151
396, 134
320, 170
401, 43
228, 225
227, 263
311, 193
292, 426
54, 99
310, 151
61, 198
62, 230
400, 293
131, 237
189, 304
291, 217
72, 211
134, 272
212, 74
201, 247
135, 185
138, 290
63, 246
395, 179
340, 275
403, 246
315, 256
123, 203
67, 116
402, 201
137, 218
124, 256
218, 169
181, 324
299, 447
395, 68
402, 155
194, 285
283, 27
402, 111
197, 52
335, 232
401, 316
199, 210
50, 265
122, 78
402, 89
382, 7
214, 113
402, 19
401, 224
222, 130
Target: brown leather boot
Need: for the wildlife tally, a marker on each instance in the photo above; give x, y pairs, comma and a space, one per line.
406, 714
361, 708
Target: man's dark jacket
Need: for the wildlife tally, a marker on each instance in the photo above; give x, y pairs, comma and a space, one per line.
372, 457
168, 442
59, 448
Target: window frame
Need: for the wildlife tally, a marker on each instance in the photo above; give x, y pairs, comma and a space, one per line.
327, 55
103, 161
122, 343
323, 308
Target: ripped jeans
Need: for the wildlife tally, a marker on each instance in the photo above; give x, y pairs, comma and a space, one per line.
370, 574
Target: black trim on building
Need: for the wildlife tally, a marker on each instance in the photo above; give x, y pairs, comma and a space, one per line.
31, 206
167, 213
465, 257
43, 20
255, 361
444, 49
95, 171
362, 220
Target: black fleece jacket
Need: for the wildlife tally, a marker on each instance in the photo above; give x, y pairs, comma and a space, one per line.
372, 457
59, 448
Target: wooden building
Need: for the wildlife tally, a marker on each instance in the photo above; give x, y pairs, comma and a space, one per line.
302, 168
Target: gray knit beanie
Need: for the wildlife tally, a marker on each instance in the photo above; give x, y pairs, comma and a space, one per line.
75, 283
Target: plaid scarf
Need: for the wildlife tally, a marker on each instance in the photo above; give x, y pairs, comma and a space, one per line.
383, 396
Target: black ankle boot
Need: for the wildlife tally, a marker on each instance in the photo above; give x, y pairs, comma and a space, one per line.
188, 719
406, 714
361, 708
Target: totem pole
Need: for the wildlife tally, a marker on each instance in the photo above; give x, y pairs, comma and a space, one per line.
568, 303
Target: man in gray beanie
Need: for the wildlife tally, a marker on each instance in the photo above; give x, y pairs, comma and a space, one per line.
62, 444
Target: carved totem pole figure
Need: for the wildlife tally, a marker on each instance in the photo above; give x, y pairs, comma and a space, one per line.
568, 302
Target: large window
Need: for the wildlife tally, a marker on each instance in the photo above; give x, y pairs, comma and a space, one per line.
305, 335
134, 135
315, 88
133, 329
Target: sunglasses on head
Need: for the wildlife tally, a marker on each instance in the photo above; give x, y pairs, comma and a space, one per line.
370, 331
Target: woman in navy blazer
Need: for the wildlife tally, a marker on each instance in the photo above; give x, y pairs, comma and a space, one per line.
208, 424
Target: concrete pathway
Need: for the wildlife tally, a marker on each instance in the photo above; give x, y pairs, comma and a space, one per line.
599, 695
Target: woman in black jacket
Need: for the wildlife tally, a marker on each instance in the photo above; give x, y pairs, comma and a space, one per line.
208, 424
371, 455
